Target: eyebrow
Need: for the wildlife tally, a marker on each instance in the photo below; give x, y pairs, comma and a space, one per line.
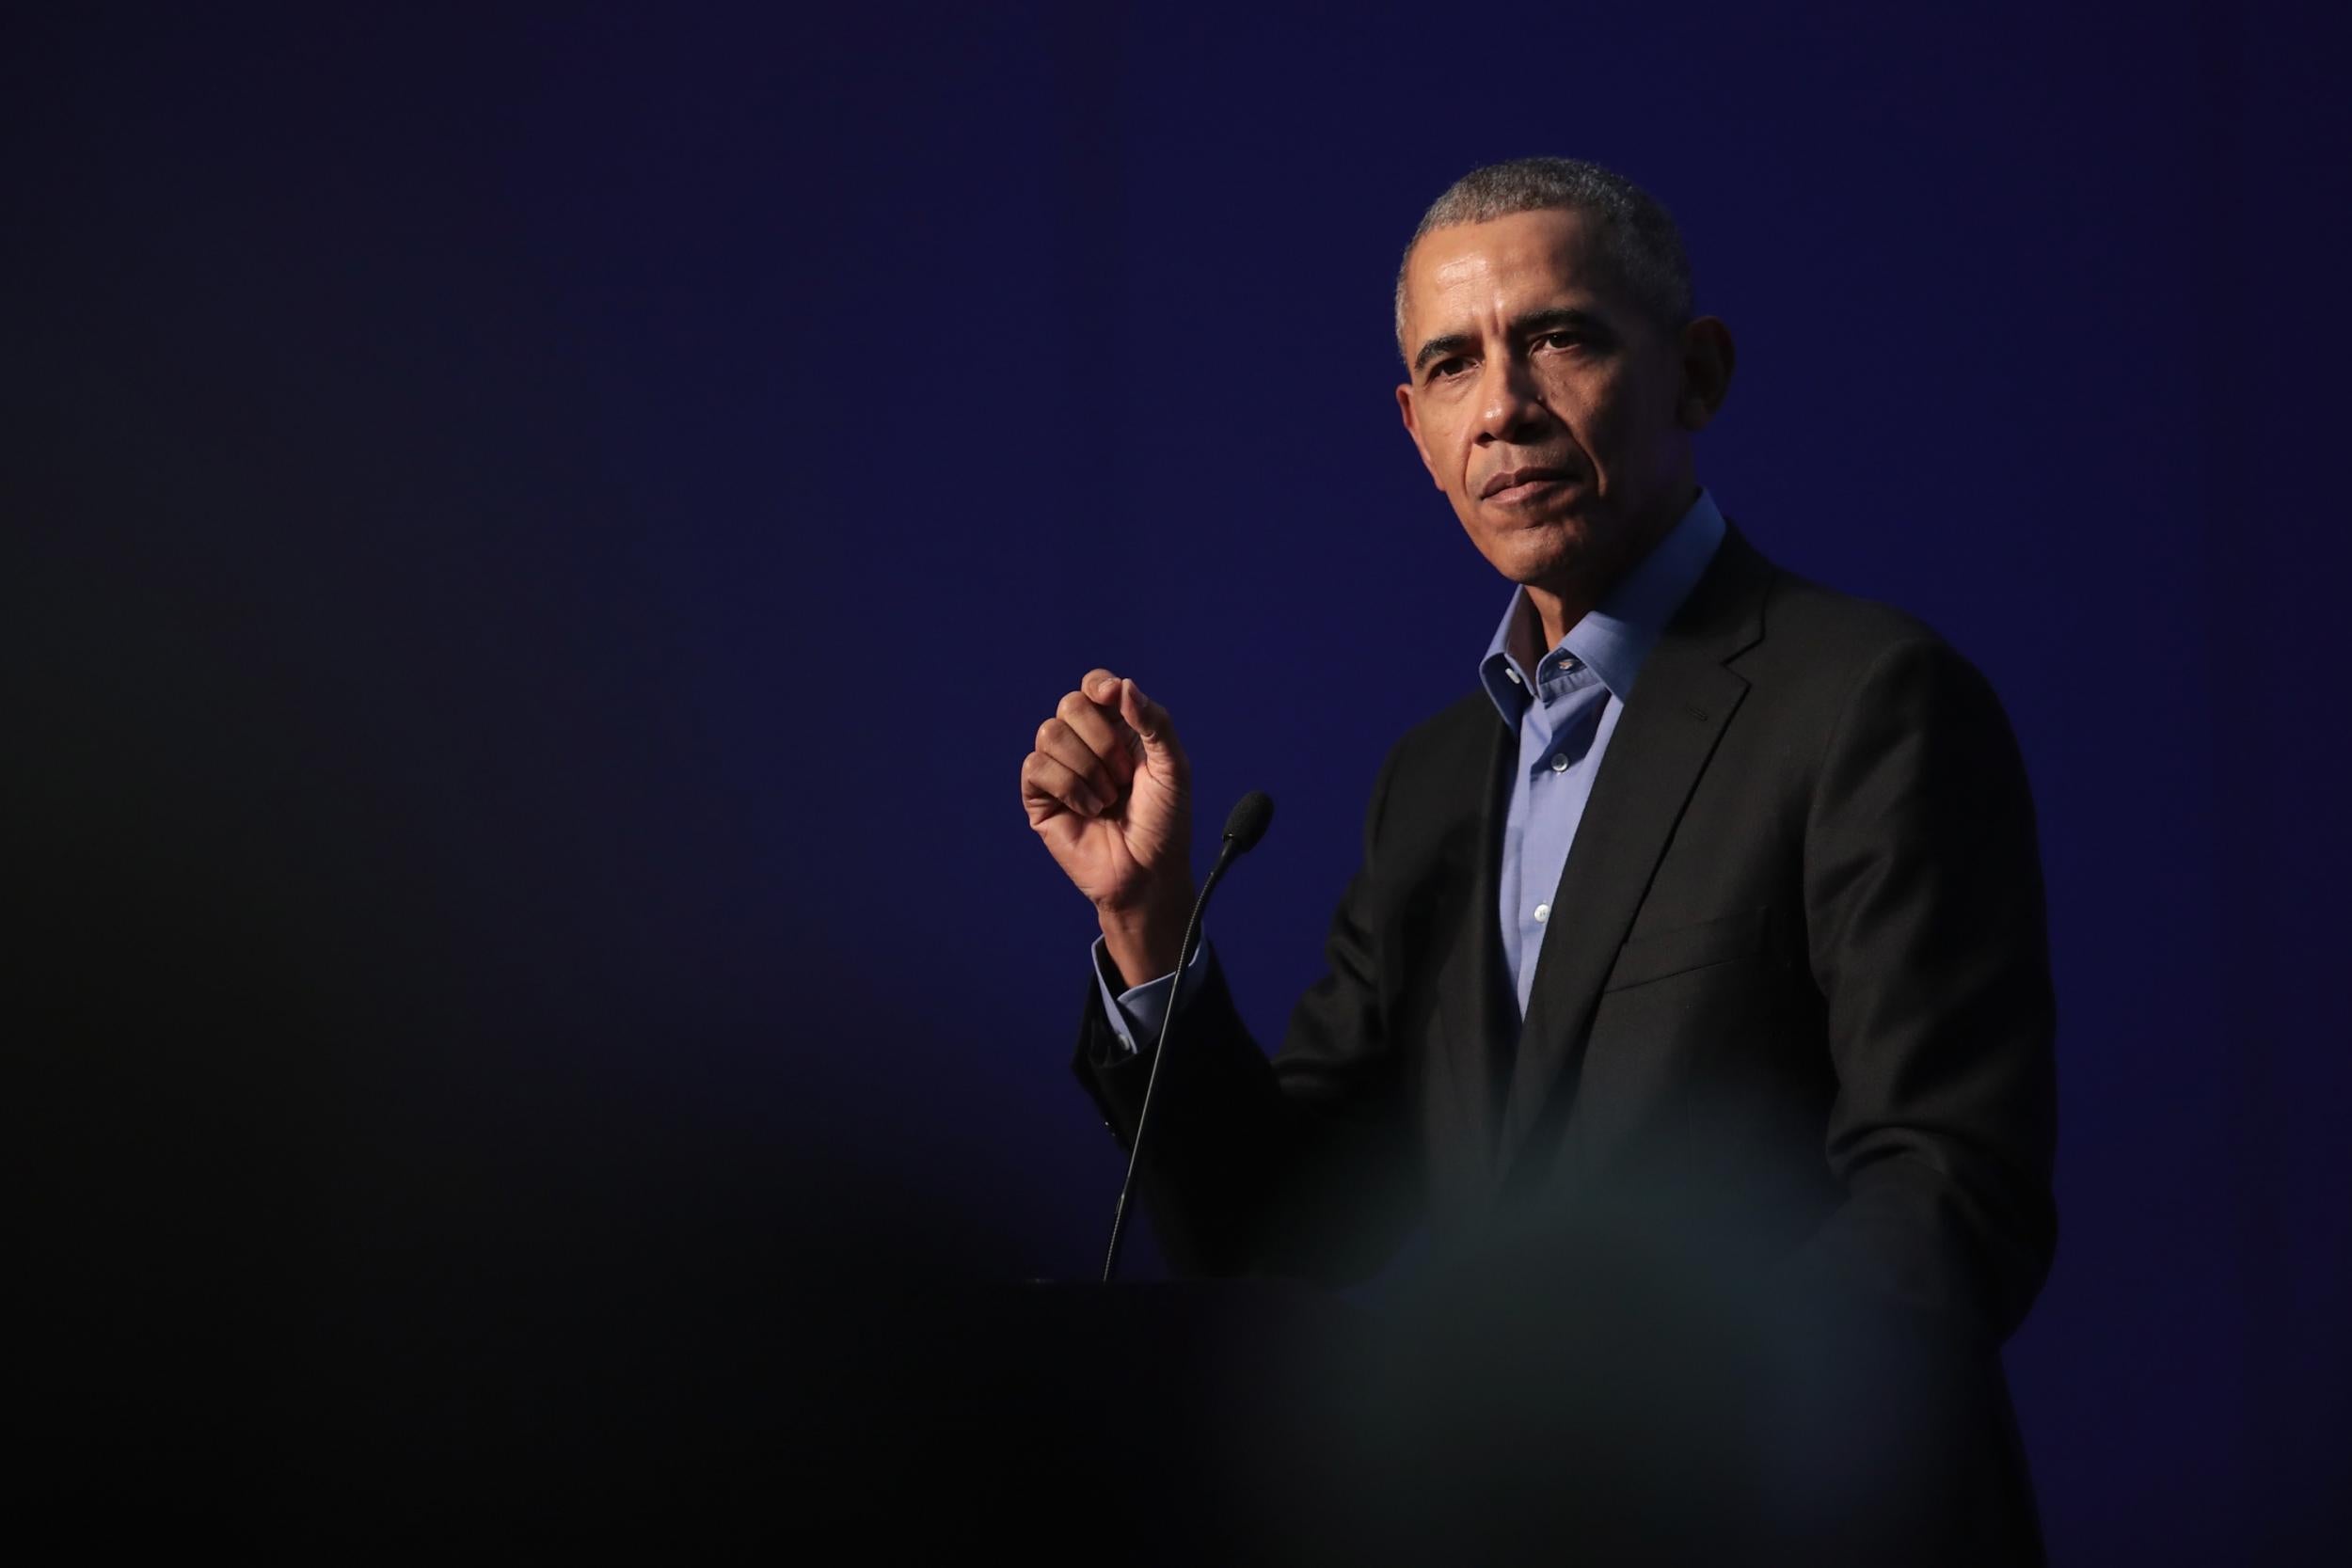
1531, 325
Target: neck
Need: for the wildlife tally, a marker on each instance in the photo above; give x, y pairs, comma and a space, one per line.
1557, 609
1561, 603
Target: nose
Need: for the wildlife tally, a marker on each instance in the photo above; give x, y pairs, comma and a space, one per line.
1510, 405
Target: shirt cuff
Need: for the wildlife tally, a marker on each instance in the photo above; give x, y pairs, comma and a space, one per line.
1140, 1011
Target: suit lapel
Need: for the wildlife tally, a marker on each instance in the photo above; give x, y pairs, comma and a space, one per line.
1681, 701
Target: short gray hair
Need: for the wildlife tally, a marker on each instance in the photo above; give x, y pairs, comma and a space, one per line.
1637, 233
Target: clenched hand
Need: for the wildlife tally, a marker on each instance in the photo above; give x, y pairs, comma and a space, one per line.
1109, 792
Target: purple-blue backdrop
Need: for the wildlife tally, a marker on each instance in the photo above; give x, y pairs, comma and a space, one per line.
538, 539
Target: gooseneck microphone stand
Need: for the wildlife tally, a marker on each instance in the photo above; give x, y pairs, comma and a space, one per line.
1244, 827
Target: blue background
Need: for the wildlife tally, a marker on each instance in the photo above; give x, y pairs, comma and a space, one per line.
537, 540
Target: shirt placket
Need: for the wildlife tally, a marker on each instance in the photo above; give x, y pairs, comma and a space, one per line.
1566, 700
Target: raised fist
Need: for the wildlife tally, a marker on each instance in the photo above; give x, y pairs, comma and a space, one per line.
1109, 791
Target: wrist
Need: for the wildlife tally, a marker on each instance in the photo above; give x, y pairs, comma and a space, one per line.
1144, 940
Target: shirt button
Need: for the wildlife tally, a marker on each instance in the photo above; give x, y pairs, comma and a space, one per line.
1515, 677
1559, 763
1543, 913
1567, 664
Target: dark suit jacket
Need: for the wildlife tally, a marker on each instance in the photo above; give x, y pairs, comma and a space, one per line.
1795, 1010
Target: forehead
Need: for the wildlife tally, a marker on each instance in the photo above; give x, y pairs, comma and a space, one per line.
1506, 263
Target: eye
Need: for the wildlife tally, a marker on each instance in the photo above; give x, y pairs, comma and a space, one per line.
1446, 369
1564, 338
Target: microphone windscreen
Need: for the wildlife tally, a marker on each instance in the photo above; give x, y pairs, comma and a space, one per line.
1247, 823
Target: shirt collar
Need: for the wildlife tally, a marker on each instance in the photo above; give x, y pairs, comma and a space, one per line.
1615, 637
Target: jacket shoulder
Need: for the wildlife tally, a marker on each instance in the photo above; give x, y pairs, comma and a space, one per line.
1470, 719
1434, 770
1829, 623
1829, 661
1824, 641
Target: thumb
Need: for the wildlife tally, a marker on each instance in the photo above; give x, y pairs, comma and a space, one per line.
1152, 725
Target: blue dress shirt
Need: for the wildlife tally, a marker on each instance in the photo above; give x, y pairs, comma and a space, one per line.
1563, 706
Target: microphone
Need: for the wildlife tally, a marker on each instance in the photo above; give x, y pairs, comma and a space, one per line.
1244, 825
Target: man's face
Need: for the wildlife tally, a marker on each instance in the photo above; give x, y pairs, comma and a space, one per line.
1551, 411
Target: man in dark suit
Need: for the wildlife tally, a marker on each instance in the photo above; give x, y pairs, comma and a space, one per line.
1765, 1125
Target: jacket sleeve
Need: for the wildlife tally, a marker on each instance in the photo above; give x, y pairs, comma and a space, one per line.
1925, 934
1302, 1165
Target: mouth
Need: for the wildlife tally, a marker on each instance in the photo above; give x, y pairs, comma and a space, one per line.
1518, 485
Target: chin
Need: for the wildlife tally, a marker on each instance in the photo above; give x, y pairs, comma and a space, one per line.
1537, 555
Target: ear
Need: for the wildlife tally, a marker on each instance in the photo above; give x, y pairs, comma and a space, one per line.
1412, 428
1708, 358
